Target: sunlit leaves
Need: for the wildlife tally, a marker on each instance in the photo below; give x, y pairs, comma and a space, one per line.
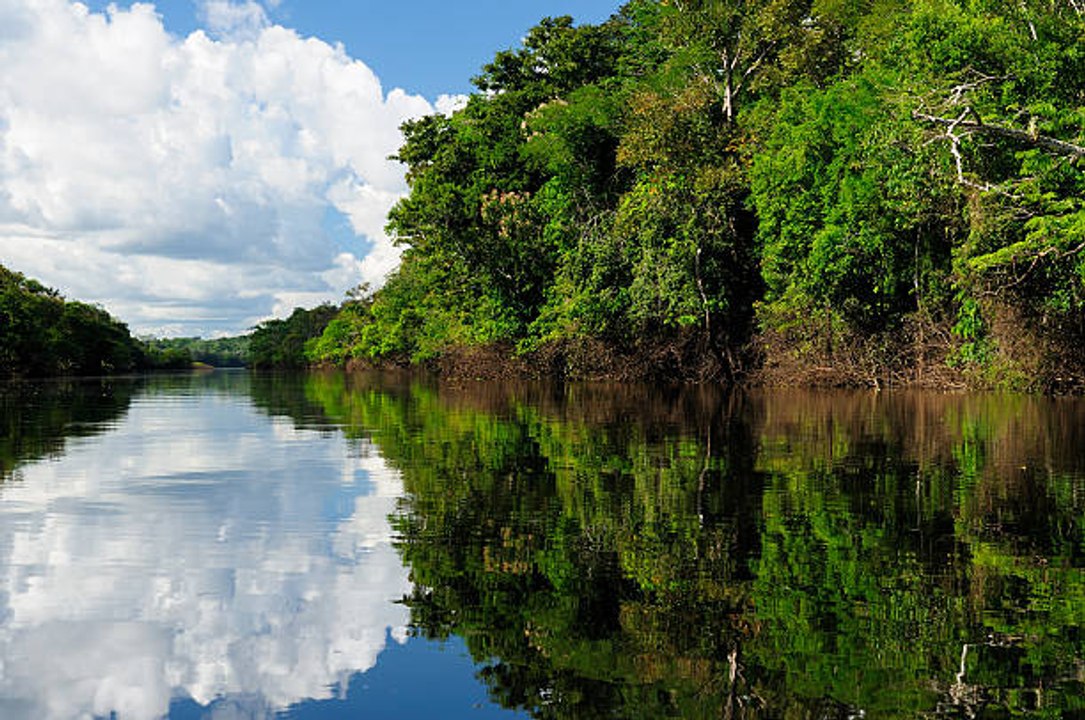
860, 169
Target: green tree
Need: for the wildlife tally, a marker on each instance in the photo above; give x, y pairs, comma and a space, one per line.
281, 343
696, 189
1005, 100
43, 334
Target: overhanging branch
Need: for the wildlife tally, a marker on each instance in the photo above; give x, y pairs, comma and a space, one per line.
959, 124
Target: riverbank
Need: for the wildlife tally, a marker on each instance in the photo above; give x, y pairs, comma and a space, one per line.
868, 201
926, 362
918, 355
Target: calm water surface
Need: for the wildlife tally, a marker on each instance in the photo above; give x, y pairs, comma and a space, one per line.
235, 546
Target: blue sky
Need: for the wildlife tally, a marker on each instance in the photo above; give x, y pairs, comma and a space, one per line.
197, 183
423, 46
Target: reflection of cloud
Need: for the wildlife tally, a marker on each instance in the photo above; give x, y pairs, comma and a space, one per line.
200, 550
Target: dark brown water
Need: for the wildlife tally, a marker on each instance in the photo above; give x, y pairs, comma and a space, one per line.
375, 546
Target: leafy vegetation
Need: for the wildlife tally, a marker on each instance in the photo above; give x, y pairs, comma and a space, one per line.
862, 193
41, 333
881, 192
228, 352
281, 343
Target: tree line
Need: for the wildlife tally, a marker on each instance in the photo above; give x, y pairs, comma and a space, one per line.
860, 193
178, 353
886, 191
44, 334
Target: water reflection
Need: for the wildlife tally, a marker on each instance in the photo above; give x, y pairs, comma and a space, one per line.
36, 418
194, 548
646, 552
599, 551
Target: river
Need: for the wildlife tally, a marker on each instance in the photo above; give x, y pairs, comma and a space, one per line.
233, 545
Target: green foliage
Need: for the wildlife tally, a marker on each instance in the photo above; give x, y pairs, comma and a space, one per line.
849, 218
281, 343
557, 57
478, 221
972, 330
43, 334
181, 353
652, 180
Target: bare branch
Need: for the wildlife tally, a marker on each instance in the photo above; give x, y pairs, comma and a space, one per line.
758, 60
957, 93
955, 151
1054, 145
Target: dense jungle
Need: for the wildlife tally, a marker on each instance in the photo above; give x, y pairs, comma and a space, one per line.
849, 193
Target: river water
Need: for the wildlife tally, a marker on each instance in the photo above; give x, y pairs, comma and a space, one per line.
229, 545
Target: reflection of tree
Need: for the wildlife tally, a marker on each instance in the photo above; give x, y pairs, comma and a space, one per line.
899, 528
641, 552
200, 382
36, 419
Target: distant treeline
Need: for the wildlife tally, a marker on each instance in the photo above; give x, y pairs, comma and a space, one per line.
282, 343
183, 352
43, 334
853, 193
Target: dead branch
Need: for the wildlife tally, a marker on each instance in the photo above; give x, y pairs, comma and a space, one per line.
955, 151
958, 92
1054, 145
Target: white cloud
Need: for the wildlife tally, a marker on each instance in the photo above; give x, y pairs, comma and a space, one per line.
448, 104
181, 555
228, 18
184, 183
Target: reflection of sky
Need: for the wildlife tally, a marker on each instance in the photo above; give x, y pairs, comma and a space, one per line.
199, 550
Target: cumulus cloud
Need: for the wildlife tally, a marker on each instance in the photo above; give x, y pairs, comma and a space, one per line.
181, 555
185, 183
448, 104
234, 19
